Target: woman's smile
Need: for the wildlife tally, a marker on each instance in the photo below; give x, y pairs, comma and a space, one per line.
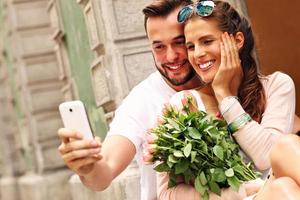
206, 65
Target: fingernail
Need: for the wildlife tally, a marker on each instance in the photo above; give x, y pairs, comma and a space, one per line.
94, 143
96, 150
78, 135
152, 148
151, 138
97, 156
147, 158
145, 145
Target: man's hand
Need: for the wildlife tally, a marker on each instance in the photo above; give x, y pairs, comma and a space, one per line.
79, 154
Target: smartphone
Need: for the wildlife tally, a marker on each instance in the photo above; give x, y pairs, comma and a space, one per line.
74, 117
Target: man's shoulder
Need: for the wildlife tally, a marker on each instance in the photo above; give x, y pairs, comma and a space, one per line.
154, 83
154, 77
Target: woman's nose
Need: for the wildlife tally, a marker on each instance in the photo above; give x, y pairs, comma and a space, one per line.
199, 52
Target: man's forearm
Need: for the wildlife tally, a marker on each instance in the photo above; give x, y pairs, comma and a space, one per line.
114, 162
100, 178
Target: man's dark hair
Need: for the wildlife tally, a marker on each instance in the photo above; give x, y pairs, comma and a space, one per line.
162, 8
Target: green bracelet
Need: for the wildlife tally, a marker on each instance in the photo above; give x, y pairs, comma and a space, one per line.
239, 122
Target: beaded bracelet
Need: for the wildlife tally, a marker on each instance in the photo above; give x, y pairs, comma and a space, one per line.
227, 103
239, 122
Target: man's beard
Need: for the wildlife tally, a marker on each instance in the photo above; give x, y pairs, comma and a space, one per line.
180, 81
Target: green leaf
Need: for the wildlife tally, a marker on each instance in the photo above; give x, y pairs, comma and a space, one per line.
213, 131
218, 151
178, 154
238, 169
182, 118
187, 176
170, 164
214, 187
176, 133
163, 167
193, 156
202, 189
187, 150
229, 172
194, 133
172, 181
182, 166
218, 175
173, 124
172, 159
199, 187
204, 147
203, 178
234, 183
205, 196
168, 126
177, 144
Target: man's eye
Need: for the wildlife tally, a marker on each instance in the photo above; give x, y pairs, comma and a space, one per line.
158, 47
180, 43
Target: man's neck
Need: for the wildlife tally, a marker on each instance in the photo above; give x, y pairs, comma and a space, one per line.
195, 82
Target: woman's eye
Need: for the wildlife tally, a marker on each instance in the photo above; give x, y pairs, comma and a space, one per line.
190, 47
207, 42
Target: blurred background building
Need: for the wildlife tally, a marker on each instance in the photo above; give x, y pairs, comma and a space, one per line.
94, 50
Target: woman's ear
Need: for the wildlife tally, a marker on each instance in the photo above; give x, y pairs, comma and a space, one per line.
239, 38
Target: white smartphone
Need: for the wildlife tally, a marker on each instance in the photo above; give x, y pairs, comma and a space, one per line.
74, 117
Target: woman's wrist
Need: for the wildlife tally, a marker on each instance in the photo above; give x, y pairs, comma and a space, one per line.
220, 95
227, 103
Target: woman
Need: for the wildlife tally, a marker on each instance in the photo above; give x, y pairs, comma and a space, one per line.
285, 181
259, 109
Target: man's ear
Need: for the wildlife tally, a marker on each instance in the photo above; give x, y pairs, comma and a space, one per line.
239, 38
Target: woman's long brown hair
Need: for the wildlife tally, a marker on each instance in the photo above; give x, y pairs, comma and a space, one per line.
251, 92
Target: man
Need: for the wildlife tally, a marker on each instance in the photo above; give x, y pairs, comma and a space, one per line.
98, 164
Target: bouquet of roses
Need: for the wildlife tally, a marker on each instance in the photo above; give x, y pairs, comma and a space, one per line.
198, 148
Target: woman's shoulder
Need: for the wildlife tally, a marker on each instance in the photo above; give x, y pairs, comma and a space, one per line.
278, 77
277, 80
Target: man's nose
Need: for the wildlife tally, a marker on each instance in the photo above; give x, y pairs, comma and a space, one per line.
172, 55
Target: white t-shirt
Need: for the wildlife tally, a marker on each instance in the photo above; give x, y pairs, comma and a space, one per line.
137, 113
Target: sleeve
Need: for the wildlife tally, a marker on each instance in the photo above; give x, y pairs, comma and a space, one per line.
257, 139
188, 192
128, 118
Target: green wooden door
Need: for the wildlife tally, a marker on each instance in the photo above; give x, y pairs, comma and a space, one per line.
81, 57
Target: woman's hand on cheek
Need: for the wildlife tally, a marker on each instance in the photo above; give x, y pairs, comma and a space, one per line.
229, 76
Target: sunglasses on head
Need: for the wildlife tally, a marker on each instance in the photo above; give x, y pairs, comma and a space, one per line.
202, 8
